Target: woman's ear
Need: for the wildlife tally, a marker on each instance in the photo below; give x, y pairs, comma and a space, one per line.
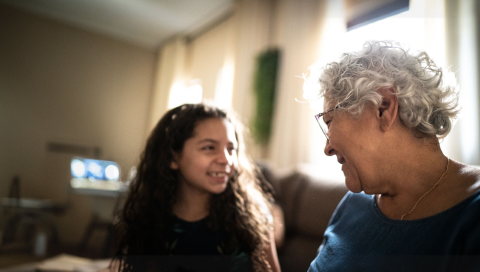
388, 110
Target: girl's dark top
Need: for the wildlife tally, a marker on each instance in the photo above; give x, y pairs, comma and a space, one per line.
194, 247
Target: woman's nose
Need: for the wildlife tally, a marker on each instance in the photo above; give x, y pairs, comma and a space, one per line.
329, 151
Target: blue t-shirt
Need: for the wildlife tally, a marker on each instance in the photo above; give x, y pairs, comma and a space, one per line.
360, 238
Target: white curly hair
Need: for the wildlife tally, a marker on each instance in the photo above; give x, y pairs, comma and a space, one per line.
427, 96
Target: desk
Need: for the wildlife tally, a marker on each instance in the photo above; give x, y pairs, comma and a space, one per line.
98, 188
34, 214
95, 189
32, 204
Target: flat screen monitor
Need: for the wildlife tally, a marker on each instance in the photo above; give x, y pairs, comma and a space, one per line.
94, 169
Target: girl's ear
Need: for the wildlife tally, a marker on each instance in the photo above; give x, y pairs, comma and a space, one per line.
173, 163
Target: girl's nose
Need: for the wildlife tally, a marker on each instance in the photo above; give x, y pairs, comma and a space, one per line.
225, 157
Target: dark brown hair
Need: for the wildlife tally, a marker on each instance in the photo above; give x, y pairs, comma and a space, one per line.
240, 209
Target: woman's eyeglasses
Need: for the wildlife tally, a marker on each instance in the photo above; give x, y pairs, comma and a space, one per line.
321, 123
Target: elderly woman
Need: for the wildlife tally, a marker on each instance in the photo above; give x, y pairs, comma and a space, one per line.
410, 208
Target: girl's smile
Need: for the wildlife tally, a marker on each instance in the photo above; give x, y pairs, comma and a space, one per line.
220, 176
208, 158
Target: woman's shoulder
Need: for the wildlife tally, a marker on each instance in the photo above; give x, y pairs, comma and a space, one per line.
471, 175
265, 209
467, 179
353, 204
357, 198
353, 201
464, 192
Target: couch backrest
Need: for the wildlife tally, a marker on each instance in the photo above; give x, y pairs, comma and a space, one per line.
308, 202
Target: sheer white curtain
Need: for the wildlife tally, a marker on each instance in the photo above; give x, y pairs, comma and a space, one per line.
253, 20
170, 71
462, 40
298, 28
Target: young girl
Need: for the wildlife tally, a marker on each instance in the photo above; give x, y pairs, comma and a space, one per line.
195, 203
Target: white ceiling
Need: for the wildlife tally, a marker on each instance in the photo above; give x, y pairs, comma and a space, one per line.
147, 23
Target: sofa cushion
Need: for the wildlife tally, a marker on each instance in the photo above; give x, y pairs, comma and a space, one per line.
291, 187
309, 203
317, 204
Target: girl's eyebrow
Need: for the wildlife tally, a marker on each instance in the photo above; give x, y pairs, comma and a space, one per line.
208, 140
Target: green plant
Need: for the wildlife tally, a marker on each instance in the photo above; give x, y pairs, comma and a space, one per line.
264, 86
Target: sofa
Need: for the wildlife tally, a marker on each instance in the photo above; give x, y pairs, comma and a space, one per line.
307, 202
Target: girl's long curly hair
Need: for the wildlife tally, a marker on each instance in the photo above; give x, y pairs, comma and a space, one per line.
242, 209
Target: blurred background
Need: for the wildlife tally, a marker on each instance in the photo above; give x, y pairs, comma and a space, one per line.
91, 78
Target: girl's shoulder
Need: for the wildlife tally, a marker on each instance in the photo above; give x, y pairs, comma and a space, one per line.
265, 210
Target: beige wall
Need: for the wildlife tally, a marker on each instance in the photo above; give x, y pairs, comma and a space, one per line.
62, 84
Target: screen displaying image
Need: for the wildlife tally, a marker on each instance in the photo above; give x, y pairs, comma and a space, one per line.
94, 169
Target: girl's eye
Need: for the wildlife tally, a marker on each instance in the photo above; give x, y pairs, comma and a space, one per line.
208, 147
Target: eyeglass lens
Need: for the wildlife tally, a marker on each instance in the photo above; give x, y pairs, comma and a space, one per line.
322, 124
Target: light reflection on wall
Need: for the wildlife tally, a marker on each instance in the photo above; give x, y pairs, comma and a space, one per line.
224, 87
182, 93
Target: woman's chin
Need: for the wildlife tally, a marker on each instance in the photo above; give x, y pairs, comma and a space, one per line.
353, 184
